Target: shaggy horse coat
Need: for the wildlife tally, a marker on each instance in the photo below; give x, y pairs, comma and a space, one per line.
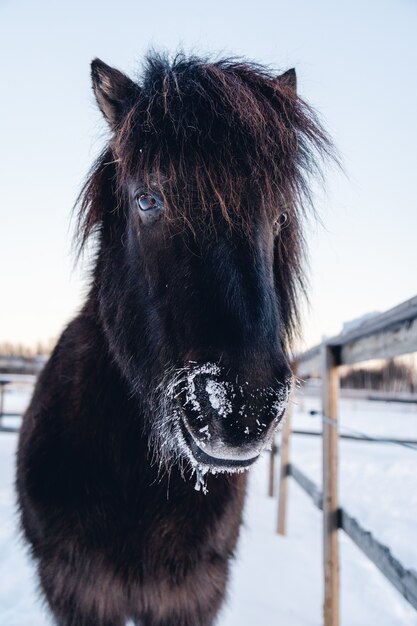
174, 376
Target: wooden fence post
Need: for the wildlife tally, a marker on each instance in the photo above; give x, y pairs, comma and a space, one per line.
284, 475
271, 482
330, 382
2, 387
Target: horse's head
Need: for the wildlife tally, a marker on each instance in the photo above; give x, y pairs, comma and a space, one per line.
198, 202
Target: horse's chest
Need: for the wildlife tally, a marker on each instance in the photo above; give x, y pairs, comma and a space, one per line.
169, 539
175, 539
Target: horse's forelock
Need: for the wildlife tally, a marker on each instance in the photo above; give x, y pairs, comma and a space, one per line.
212, 125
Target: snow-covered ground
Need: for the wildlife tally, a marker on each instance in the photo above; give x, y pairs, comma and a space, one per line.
277, 581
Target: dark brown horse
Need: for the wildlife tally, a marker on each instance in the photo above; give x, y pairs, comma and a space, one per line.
174, 376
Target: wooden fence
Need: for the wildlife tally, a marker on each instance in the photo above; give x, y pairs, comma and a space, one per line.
7, 380
383, 336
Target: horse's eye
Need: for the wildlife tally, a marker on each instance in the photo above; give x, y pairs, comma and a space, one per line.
281, 222
147, 202
283, 219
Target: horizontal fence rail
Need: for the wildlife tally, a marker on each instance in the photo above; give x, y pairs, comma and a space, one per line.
409, 443
405, 580
382, 336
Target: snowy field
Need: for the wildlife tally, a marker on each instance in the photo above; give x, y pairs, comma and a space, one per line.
277, 581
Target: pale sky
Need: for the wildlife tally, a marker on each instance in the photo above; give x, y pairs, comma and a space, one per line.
356, 62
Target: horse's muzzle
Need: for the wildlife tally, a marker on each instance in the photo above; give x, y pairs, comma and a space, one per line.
225, 424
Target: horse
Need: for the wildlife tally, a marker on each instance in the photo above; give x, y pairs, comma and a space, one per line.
174, 376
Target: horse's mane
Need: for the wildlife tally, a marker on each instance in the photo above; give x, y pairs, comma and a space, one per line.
225, 133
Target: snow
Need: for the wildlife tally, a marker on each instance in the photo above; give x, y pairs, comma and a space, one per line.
193, 372
358, 321
217, 393
278, 580
18, 378
16, 397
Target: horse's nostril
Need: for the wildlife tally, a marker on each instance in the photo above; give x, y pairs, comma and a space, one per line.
206, 393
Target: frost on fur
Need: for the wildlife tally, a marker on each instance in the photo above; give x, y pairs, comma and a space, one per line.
169, 446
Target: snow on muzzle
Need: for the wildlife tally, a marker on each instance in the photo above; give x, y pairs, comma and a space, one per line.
224, 424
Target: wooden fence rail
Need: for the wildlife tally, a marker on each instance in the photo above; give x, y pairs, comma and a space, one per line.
405, 580
383, 336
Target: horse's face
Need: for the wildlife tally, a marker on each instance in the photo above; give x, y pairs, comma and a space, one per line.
196, 294
212, 303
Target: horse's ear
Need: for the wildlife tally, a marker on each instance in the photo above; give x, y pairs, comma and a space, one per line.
113, 90
289, 79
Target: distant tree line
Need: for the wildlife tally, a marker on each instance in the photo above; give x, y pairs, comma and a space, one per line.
392, 376
41, 348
